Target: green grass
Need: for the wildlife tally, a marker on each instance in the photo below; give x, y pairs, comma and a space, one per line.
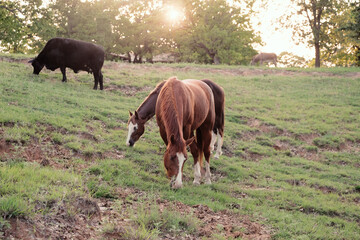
291, 148
28, 189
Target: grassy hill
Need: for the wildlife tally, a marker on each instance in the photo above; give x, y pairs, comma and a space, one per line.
290, 168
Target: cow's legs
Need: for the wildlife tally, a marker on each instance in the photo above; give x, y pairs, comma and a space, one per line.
63, 71
101, 80
96, 79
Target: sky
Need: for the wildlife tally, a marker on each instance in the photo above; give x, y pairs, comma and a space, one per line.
278, 41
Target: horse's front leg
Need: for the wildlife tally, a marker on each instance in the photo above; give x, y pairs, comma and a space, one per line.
197, 166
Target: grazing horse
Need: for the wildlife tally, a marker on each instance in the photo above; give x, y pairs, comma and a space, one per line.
136, 123
183, 107
264, 57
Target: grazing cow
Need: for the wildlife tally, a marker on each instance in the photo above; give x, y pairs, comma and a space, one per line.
264, 57
69, 53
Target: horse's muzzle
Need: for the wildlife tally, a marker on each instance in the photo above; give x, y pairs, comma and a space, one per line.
174, 184
131, 142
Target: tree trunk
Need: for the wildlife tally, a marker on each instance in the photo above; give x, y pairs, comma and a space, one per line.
216, 60
317, 54
357, 54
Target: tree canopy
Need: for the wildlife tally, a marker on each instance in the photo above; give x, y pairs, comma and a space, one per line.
320, 27
206, 31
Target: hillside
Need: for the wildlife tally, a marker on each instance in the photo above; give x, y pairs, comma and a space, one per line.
290, 168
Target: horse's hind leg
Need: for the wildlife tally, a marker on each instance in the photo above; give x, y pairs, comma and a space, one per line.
213, 140
219, 145
206, 140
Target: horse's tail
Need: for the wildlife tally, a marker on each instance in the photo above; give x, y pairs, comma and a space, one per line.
219, 97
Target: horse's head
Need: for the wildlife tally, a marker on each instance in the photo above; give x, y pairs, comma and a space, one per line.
37, 66
136, 127
174, 159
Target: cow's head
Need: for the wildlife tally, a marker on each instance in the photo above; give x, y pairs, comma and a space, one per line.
37, 66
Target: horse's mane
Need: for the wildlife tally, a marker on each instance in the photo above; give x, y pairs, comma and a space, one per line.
170, 112
151, 97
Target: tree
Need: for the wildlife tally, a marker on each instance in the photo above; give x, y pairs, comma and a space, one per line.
352, 30
337, 47
215, 32
313, 24
21, 22
140, 30
291, 60
88, 21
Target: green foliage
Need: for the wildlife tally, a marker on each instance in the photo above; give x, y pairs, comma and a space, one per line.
290, 60
141, 29
323, 20
352, 29
216, 33
23, 21
87, 20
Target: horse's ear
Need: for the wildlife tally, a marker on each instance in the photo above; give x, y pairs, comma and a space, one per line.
136, 115
130, 113
190, 140
172, 139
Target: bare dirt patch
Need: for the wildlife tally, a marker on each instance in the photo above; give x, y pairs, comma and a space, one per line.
5, 147
127, 90
225, 223
76, 220
103, 218
310, 153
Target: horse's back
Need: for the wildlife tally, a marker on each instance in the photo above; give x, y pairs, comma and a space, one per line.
194, 101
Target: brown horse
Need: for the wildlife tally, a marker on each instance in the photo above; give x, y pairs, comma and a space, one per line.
183, 107
146, 110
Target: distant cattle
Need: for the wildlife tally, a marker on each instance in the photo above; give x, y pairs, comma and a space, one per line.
74, 54
264, 57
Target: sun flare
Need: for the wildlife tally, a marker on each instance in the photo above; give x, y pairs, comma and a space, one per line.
174, 14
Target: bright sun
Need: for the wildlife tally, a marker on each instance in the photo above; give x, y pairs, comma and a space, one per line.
174, 14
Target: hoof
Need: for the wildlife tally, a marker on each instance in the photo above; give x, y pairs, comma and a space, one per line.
208, 181
176, 186
196, 183
217, 155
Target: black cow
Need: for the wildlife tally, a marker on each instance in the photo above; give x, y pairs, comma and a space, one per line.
69, 53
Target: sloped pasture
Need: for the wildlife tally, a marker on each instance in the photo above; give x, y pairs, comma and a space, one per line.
289, 169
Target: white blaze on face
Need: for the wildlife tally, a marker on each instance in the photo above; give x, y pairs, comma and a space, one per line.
131, 128
178, 180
